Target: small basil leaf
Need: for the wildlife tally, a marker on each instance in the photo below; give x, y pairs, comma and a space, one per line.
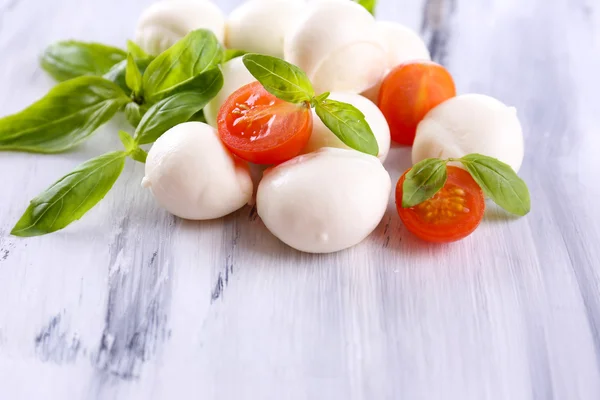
133, 76
280, 78
118, 72
133, 114
139, 155
230, 54
127, 141
423, 181
69, 198
66, 116
319, 99
136, 51
132, 148
176, 109
70, 59
369, 5
499, 182
196, 53
349, 125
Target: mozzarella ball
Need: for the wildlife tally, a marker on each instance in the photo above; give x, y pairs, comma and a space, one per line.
259, 26
235, 75
402, 44
322, 137
337, 44
324, 201
470, 123
193, 175
162, 24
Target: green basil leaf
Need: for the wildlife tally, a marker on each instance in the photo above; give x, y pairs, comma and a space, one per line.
132, 148
200, 83
423, 181
230, 54
139, 155
69, 198
499, 182
118, 72
133, 114
369, 5
133, 76
66, 116
127, 141
136, 51
70, 59
280, 78
177, 108
196, 53
349, 125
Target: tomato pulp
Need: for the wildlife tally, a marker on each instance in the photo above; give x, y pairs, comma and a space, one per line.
451, 214
408, 92
260, 128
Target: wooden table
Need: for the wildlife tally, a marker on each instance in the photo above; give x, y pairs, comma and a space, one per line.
132, 303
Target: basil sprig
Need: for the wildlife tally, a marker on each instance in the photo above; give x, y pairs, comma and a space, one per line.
69, 198
71, 59
131, 82
496, 179
182, 81
289, 83
72, 196
66, 116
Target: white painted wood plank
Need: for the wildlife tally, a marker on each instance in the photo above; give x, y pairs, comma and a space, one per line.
132, 303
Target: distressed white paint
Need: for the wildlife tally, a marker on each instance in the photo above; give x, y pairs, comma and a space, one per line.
512, 312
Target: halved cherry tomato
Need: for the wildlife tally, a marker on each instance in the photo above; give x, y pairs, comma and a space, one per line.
408, 92
451, 214
260, 128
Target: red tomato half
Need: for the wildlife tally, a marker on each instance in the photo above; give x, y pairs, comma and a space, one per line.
408, 92
452, 214
260, 128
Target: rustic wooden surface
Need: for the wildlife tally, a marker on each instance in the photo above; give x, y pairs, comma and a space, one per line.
132, 303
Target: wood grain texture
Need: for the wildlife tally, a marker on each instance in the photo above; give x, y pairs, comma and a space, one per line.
131, 303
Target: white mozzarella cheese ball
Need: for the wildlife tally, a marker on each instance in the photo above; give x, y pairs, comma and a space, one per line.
337, 44
322, 137
235, 75
162, 24
193, 175
324, 201
402, 44
259, 26
470, 123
